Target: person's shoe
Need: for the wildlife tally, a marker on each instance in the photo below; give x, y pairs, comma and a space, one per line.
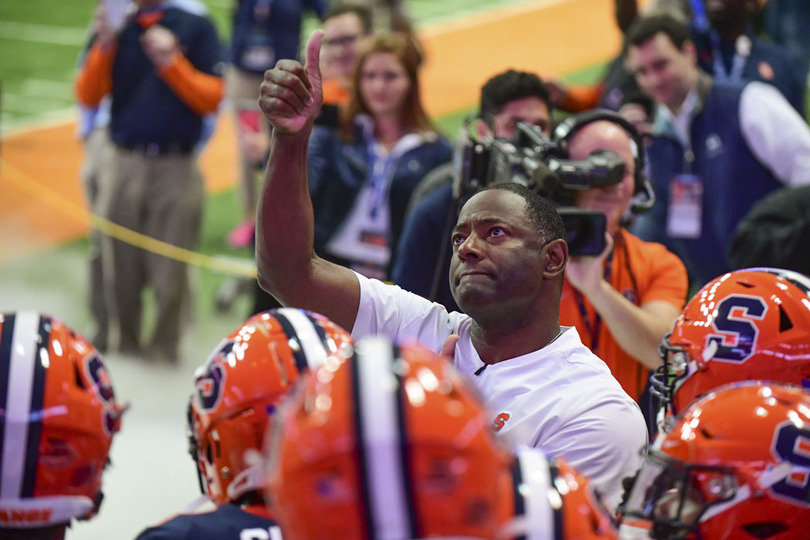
242, 235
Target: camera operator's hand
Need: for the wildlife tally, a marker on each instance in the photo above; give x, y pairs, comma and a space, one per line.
291, 94
586, 274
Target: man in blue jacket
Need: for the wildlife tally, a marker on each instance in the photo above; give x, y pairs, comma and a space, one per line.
717, 147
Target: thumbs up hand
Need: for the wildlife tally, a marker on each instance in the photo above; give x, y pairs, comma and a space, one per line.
291, 94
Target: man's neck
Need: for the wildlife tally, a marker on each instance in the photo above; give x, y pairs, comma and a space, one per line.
498, 343
731, 31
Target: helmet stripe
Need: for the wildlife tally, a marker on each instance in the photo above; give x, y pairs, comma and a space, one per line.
382, 446
311, 352
319, 329
18, 404
531, 470
559, 527
6, 338
799, 280
37, 400
519, 502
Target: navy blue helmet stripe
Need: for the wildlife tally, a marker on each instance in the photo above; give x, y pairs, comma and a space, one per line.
316, 324
296, 346
519, 506
559, 532
405, 456
37, 400
6, 336
360, 447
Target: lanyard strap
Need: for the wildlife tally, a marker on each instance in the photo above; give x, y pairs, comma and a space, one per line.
379, 177
742, 50
596, 328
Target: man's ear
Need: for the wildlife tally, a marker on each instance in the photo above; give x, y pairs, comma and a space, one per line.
556, 258
690, 50
482, 129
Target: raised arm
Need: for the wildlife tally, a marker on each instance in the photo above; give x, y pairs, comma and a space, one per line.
288, 268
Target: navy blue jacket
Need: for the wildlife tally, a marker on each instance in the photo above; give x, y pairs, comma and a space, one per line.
275, 30
425, 233
144, 108
733, 180
338, 169
768, 63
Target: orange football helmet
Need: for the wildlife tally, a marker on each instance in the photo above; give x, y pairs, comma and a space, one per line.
751, 324
58, 415
736, 465
552, 500
238, 389
388, 443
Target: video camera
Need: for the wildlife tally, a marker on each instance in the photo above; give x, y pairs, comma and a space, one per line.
530, 158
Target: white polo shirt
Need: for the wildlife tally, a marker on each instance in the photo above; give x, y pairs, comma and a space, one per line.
561, 399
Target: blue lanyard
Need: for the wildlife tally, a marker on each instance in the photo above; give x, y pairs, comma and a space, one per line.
741, 52
596, 328
378, 177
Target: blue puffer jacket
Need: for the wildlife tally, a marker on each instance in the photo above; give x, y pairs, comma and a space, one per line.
337, 170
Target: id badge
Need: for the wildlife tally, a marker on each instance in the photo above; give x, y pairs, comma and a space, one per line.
685, 216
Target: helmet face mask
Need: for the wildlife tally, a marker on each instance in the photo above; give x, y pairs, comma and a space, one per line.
671, 374
672, 495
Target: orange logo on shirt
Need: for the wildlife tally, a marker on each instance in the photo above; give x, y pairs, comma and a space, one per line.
500, 421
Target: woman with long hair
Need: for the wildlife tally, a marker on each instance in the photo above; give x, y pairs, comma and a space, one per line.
363, 173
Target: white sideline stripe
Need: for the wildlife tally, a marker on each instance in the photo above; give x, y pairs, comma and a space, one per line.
31, 104
476, 18
43, 33
18, 402
48, 88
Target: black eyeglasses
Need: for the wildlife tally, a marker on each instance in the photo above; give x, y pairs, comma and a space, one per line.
341, 41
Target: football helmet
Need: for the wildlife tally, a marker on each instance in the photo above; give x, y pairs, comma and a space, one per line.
58, 415
751, 324
237, 390
736, 465
388, 443
552, 500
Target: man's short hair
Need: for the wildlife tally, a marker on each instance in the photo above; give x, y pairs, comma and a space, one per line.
509, 86
539, 210
646, 28
362, 12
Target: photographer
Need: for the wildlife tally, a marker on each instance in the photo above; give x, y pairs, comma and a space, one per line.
623, 300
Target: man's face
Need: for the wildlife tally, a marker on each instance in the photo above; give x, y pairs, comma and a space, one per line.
532, 110
613, 200
662, 70
724, 12
496, 259
343, 41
